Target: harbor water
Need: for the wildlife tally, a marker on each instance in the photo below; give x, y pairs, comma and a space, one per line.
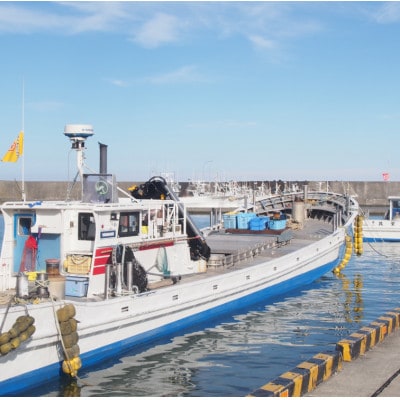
241, 352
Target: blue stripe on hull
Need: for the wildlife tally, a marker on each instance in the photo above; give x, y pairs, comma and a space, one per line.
31, 379
381, 240
92, 358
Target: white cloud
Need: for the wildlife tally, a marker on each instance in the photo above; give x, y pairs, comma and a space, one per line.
161, 29
388, 13
184, 74
153, 24
60, 18
98, 16
261, 42
17, 19
118, 82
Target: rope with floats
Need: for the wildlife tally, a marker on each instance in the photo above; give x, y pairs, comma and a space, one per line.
358, 235
66, 326
347, 255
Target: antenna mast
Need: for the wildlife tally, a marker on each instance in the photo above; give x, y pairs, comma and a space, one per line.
78, 135
23, 131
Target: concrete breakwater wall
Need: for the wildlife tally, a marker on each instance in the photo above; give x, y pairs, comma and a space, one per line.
370, 195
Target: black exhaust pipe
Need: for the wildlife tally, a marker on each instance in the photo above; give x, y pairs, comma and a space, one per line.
103, 158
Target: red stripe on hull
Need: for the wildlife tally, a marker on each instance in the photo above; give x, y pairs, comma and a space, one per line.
102, 257
99, 270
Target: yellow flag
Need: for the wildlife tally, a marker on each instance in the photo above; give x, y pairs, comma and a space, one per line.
15, 150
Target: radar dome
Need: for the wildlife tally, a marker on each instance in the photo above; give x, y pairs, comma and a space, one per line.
78, 131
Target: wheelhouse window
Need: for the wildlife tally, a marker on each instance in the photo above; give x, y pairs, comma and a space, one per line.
396, 203
128, 224
86, 226
24, 226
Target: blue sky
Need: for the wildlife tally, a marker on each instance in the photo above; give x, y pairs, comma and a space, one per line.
204, 90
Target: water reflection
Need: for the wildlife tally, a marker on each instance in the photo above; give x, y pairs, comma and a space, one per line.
353, 304
71, 389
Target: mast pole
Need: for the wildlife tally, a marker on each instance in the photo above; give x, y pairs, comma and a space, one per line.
23, 132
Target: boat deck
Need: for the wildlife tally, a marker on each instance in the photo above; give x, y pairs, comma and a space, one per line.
225, 243
237, 251
274, 244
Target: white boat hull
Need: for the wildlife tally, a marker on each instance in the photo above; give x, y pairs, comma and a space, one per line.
380, 230
385, 229
131, 321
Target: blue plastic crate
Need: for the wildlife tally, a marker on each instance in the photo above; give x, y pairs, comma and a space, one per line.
258, 223
266, 221
277, 224
229, 221
76, 286
243, 220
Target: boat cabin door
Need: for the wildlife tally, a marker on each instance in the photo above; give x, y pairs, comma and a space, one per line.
22, 233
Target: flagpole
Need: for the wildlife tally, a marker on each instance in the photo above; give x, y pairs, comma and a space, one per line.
23, 130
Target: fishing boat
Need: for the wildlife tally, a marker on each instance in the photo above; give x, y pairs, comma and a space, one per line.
202, 196
86, 280
386, 228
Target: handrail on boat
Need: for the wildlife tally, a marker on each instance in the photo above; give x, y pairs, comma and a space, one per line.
230, 260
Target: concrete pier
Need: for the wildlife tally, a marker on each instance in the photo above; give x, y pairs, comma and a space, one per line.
374, 374
365, 364
371, 195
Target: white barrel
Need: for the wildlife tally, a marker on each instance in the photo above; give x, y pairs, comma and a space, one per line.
57, 286
22, 286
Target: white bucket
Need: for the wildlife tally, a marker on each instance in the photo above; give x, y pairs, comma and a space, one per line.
202, 266
22, 286
57, 286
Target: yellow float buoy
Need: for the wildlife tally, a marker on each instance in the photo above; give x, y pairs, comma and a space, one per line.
15, 342
5, 348
72, 366
4, 338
